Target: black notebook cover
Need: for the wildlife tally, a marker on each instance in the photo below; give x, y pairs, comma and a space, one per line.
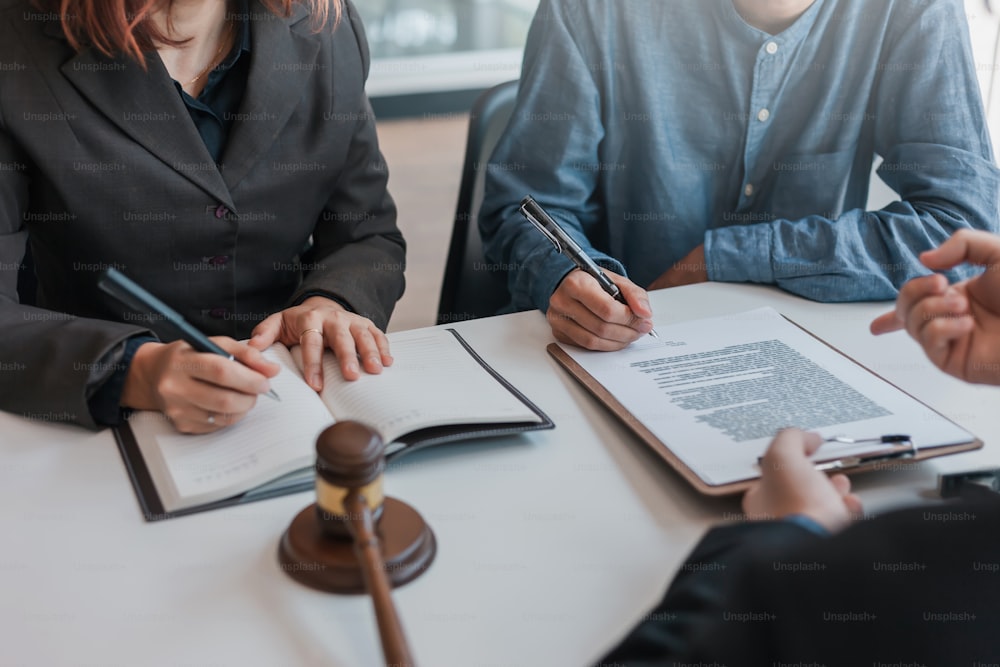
152, 506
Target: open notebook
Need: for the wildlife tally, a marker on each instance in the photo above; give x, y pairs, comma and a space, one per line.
438, 390
709, 395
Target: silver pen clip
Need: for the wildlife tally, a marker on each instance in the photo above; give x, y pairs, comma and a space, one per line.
542, 228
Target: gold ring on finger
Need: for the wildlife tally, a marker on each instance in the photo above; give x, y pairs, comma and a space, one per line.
320, 332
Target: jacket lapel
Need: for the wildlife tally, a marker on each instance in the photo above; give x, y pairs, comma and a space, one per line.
279, 71
146, 106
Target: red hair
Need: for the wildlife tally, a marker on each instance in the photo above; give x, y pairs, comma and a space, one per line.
123, 27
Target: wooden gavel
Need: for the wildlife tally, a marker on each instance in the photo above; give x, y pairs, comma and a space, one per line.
354, 539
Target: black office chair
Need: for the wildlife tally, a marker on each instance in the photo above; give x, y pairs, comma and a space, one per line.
471, 288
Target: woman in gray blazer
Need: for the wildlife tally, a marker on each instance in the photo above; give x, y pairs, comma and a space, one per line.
222, 153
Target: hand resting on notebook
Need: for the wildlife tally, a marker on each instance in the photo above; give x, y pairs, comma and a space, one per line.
319, 323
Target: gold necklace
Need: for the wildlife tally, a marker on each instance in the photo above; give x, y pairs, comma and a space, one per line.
214, 62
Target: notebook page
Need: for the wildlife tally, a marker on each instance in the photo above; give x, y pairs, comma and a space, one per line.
275, 438
715, 391
433, 381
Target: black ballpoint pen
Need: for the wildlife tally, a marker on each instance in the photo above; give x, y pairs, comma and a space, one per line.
565, 245
116, 284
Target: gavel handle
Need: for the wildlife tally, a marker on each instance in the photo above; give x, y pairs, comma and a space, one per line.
366, 546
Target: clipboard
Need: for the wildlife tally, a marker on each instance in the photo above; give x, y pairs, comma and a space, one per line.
847, 465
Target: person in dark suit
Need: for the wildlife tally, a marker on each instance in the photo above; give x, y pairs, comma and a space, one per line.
222, 153
805, 587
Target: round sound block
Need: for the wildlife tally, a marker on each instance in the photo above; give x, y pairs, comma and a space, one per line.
329, 564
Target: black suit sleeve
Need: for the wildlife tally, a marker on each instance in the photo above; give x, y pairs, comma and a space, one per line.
50, 362
698, 594
357, 240
915, 587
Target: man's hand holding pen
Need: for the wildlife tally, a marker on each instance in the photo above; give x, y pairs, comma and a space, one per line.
581, 313
591, 308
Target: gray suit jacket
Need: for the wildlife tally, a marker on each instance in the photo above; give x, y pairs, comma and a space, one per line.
101, 165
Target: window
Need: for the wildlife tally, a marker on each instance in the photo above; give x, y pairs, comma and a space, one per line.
442, 45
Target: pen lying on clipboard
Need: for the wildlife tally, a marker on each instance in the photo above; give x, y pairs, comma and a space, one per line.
903, 447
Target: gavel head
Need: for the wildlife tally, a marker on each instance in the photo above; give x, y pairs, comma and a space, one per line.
319, 549
350, 458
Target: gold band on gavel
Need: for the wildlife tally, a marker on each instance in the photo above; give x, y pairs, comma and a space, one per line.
330, 498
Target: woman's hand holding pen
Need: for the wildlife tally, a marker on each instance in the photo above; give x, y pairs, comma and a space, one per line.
581, 313
959, 325
199, 392
318, 323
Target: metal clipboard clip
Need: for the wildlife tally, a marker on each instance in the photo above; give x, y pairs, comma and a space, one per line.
903, 448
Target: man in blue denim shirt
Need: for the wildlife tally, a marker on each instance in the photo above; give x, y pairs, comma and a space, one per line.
733, 140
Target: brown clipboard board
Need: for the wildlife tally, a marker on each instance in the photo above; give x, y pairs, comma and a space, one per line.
661, 450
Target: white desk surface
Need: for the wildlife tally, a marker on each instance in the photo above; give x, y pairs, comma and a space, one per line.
550, 545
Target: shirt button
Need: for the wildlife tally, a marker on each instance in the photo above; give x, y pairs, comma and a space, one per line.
748, 190
763, 115
221, 211
771, 47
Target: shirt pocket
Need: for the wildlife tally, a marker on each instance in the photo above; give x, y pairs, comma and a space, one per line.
812, 184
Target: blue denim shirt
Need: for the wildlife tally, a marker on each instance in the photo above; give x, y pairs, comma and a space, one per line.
649, 127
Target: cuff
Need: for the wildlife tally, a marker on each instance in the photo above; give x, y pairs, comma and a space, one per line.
326, 295
549, 268
105, 403
739, 254
808, 523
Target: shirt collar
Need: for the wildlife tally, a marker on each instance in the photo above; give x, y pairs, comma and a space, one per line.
241, 45
733, 21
